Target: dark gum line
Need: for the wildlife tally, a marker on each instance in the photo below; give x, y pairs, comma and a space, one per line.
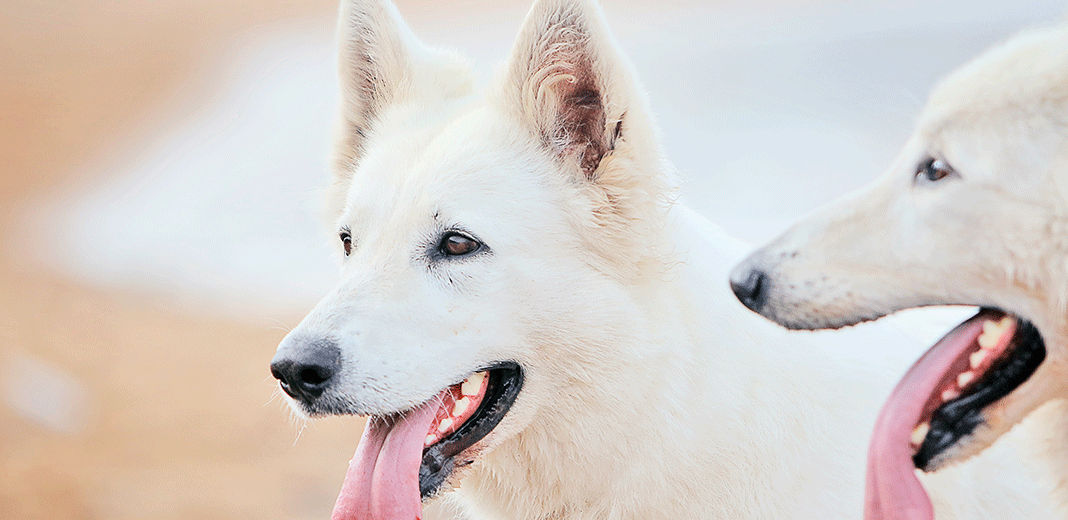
935, 401
959, 417
438, 459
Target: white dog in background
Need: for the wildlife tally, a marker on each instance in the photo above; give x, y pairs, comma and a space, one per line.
535, 330
973, 211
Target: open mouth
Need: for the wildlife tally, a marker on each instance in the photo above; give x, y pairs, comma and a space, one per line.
940, 402
406, 457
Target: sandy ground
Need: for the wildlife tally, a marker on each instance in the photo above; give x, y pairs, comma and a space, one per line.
172, 418
176, 422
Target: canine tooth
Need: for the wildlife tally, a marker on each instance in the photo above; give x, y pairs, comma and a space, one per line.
920, 433
977, 358
445, 424
430, 439
473, 384
998, 327
992, 332
950, 394
965, 378
461, 406
988, 341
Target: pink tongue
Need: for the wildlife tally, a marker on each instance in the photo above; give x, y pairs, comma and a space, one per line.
893, 491
383, 478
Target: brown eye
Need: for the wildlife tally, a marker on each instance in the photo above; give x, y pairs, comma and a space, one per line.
456, 244
346, 242
934, 170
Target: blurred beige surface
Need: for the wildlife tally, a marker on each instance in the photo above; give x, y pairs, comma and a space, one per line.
171, 415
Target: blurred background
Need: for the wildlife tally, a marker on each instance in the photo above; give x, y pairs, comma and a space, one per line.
158, 207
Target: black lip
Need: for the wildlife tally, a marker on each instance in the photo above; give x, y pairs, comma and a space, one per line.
959, 417
505, 381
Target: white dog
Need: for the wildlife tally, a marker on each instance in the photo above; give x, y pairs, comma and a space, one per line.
973, 211
528, 321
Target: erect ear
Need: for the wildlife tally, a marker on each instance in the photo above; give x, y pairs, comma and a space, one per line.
381, 64
374, 63
570, 83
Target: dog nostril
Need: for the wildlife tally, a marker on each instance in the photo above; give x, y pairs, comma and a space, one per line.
314, 376
281, 370
276, 371
751, 288
310, 380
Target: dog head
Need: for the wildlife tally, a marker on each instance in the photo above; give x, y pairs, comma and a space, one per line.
973, 211
484, 232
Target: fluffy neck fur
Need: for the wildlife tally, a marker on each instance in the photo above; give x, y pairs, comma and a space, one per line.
708, 411
714, 405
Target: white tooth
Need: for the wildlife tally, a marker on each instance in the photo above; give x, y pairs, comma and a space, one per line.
989, 340
473, 384
977, 358
919, 433
965, 378
430, 439
992, 332
1000, 327
460, 407
950, 394
445, 424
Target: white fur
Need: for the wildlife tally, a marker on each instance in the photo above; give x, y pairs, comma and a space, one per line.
649, 393
994, 235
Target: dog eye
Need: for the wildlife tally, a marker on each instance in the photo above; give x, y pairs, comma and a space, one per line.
346, 242
454, 243
934, 170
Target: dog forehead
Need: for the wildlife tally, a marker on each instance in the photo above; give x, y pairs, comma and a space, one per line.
1003, 113
477, 158
1023, 79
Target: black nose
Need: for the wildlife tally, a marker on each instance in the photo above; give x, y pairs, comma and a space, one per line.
751, 287
304, 371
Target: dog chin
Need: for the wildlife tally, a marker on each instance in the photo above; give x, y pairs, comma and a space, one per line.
967, 447
996, 422
1002, 416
